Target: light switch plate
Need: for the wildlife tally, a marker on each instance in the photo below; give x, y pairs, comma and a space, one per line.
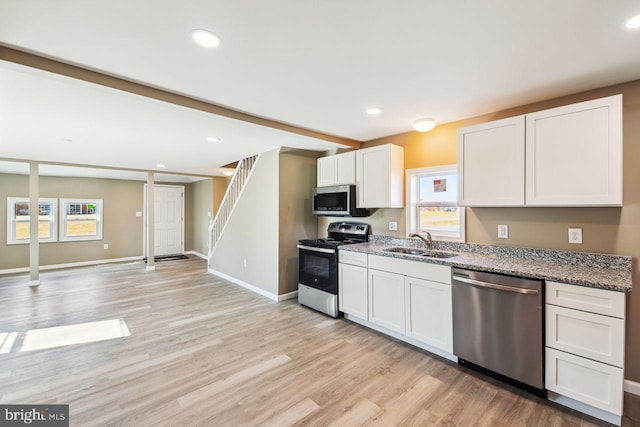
393, 226
138, 213
575, 236
503, 232
106, 246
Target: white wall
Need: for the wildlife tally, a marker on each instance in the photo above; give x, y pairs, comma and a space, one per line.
252, 232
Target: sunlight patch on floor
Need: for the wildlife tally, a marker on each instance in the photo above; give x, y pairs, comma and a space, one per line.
59, 336
6, 341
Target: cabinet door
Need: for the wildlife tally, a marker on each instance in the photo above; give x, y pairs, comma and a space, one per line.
428, 312
584, 380
326, 171
345, 168
380, 177
491, 163
386, 300
574, 154
352, 295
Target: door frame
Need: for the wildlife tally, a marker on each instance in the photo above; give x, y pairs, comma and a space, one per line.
145, 222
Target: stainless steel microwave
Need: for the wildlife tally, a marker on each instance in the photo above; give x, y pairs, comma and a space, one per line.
339, 200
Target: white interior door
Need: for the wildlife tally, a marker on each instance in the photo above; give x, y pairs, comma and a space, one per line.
168, 213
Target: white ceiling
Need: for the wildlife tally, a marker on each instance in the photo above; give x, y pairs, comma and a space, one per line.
314, 64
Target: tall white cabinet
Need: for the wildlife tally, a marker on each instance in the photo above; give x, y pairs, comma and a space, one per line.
574, 154
491, 163
565, 156
380, 176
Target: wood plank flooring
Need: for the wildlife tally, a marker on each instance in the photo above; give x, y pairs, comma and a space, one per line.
203, 351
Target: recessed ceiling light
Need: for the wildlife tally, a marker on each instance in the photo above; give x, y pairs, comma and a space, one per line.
227, 173
634, 22
67, 140
205, 38
424, 125
159, 165
372, 111
213, 139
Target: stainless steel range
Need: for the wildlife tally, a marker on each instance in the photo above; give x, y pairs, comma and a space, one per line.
318, 265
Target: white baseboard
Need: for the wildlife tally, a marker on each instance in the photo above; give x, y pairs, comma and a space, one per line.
290, 295
71, 264
198, 254
632, 387
254, 288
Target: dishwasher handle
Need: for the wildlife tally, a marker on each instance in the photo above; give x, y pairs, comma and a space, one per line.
495, 286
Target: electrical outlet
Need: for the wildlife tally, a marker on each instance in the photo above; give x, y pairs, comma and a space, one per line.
106, 246
393, 226
575, 236
503, 232
209, 214
138, 213
245, 263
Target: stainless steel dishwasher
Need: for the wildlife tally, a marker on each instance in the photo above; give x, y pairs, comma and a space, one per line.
498, 326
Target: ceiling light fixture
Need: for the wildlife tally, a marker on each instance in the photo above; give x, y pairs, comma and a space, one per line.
205, 38
424, 125
372, 111
633, 22
213, 139
160, 165
227, 173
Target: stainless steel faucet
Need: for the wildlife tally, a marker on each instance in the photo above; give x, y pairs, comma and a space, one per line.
428, 241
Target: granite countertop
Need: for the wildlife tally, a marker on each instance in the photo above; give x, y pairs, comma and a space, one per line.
612, 272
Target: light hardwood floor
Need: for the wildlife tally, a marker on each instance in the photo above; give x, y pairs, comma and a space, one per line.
203, 351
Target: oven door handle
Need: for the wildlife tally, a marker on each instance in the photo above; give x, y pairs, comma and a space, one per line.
323, 250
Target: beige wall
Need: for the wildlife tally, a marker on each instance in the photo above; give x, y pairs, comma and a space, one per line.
220, 185
605, 230
201, 214
252, 231
297, 178
122, 229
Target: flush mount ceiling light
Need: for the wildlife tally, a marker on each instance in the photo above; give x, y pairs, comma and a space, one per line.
227, 173
205, 38
372, 111
424, 125
160, 165
633, 22
213, 139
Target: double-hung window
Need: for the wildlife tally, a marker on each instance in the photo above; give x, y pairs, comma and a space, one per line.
80, 219
19, 220
432, 198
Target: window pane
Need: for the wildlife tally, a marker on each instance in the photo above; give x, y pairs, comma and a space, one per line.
440, 188
440, 219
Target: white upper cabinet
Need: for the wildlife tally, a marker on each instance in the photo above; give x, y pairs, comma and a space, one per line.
574, 154
491, 163
337, 170
380, 177
565, 156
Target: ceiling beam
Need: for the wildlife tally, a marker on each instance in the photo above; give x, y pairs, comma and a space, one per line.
54, 66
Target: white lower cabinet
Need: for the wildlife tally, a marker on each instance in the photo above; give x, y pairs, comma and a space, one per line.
386, 300
594, 383
585, 348
353, 296
428, 316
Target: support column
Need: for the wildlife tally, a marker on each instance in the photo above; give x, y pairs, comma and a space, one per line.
151, 265
34, 217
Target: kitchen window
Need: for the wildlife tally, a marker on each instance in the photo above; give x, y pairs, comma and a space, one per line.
18, 220
80, 219
432, 200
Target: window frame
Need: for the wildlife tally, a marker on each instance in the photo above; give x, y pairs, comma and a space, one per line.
413, 206
11, 219
63, 220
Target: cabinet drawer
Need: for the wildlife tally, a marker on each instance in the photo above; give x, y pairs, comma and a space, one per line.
421, 270
601, 301
353, 258
584, 380
590, 335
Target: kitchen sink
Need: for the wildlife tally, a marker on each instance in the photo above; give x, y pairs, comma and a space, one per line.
420, 252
